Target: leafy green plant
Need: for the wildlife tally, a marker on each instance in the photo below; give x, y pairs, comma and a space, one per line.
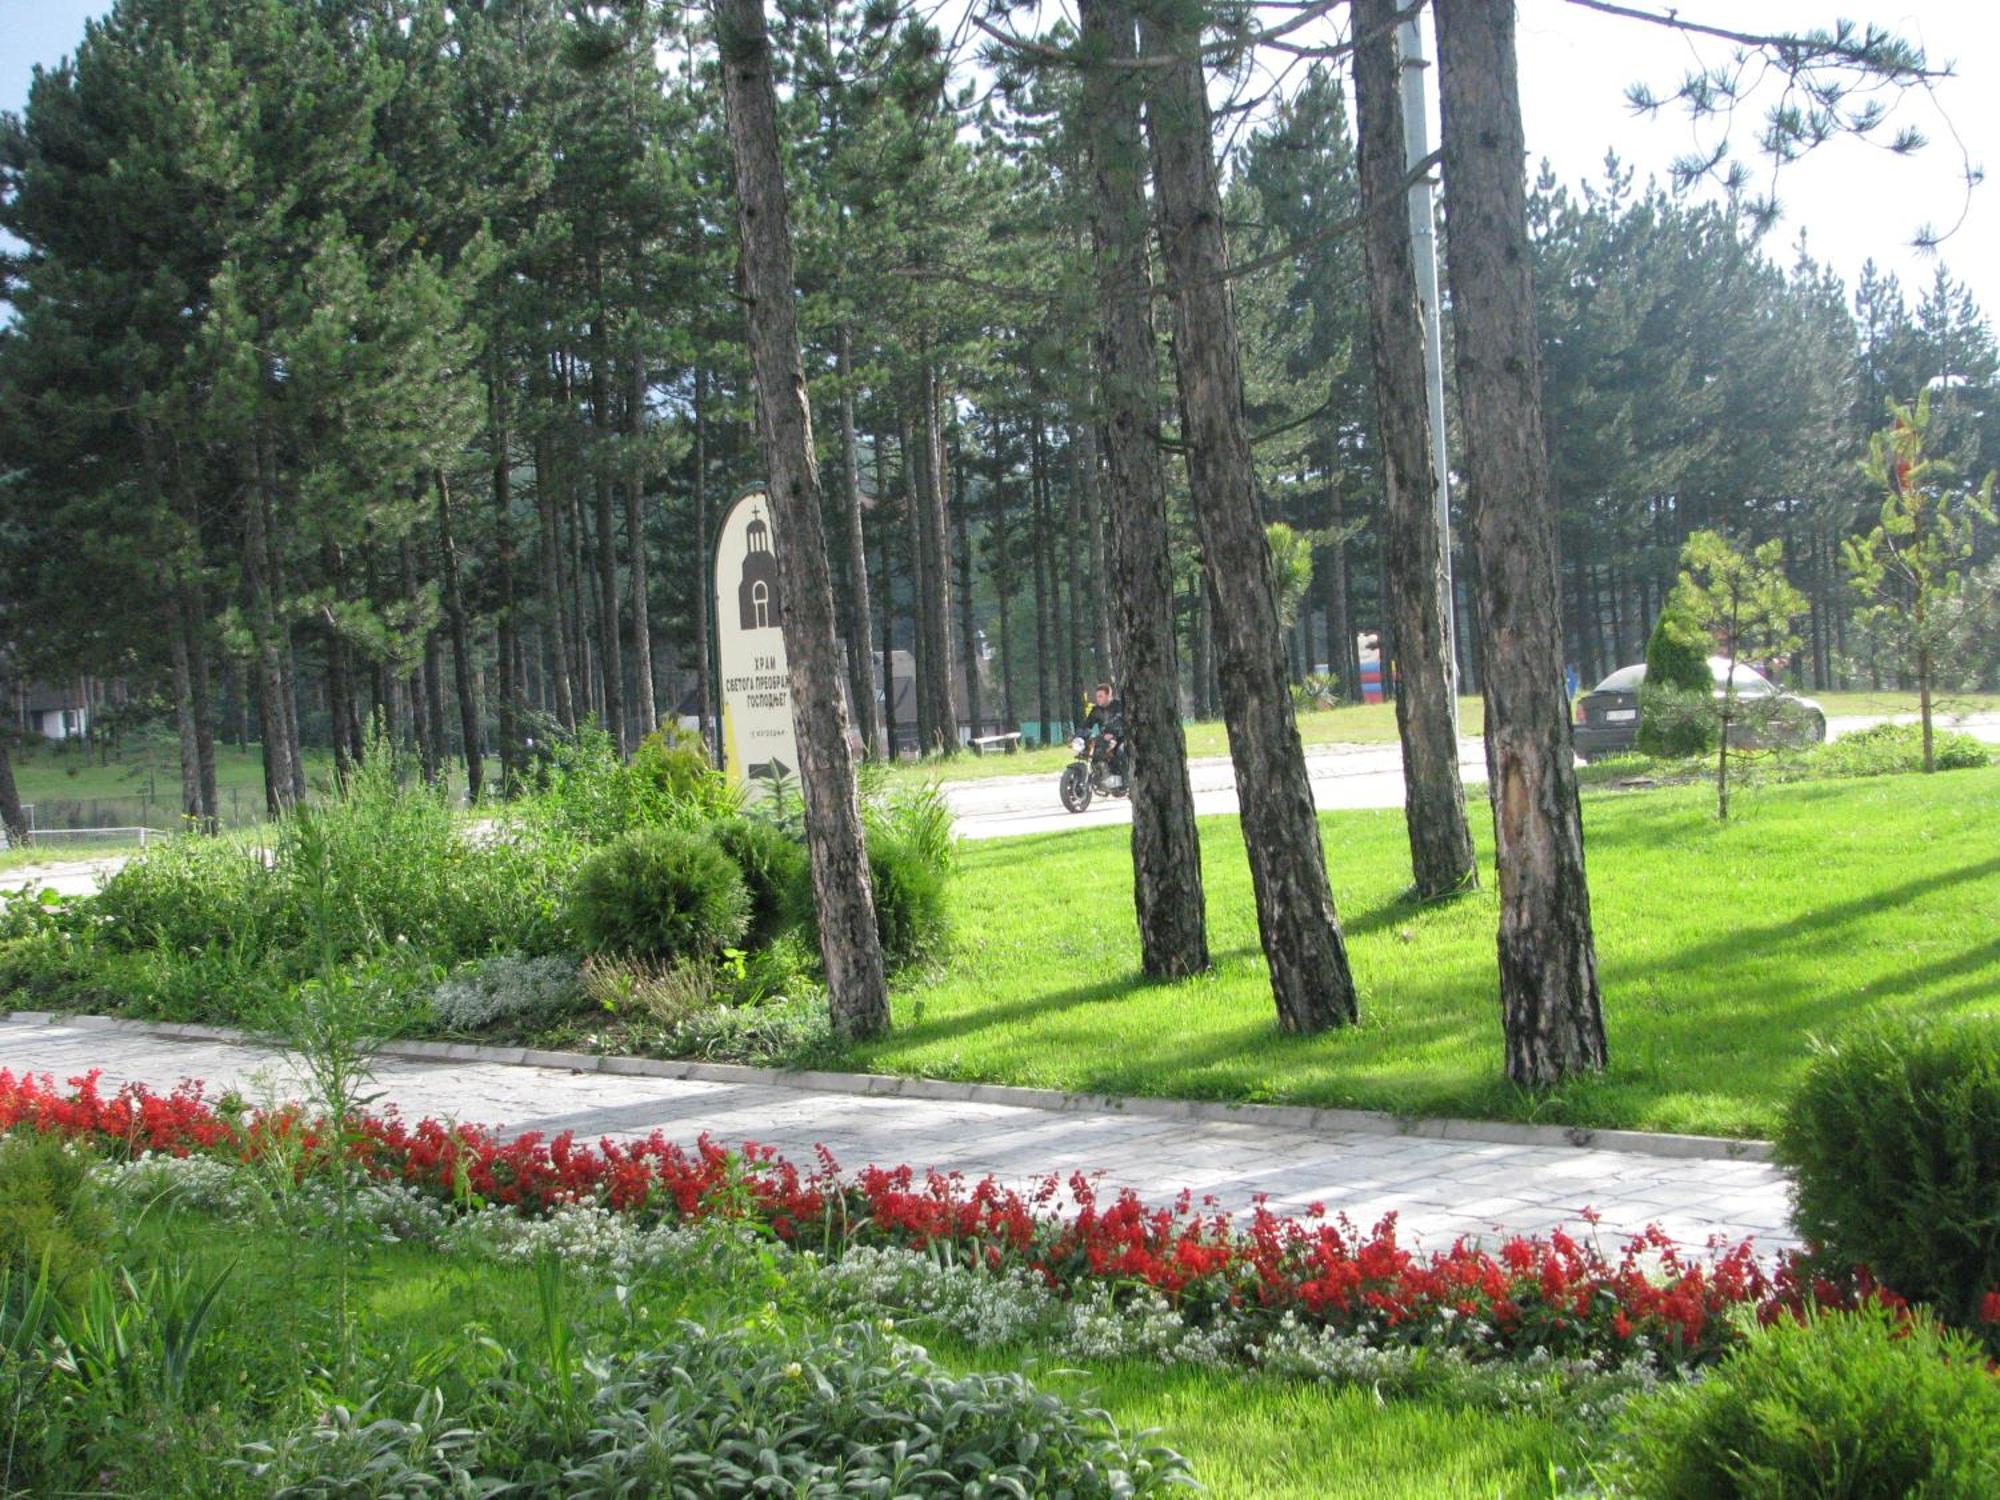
1865, 1405
53, 1222
1893, 1140
193, 895
1675, 717
663, 992
660, 893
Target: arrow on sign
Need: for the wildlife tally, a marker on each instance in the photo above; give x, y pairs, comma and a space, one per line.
771, 769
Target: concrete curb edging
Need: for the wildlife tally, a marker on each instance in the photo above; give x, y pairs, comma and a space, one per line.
1300, 1117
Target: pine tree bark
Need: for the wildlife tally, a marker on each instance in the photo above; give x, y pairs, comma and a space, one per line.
1103, 644
1441, 857
860, 625
611, 665
934, 576
1166, 847
507, 700
183, 670
13, 817
645, 704
278, 796
555, 632
849, 944
1302, 941
1550, 1008
968, 625
193, 617
461, 643
704, 648
1045, 632
917, 511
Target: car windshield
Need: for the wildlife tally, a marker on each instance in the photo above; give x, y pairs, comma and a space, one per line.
1624, 680
1750, 683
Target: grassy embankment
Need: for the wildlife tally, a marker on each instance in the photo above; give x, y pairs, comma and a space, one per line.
1724, 950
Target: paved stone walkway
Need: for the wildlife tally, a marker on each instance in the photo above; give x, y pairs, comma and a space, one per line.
1440, 1189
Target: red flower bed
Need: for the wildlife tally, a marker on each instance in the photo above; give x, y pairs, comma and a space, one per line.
1568, 1295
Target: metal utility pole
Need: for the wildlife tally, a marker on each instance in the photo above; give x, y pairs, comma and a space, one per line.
1423, 243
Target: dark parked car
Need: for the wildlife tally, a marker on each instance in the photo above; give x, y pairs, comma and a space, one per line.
1607, 717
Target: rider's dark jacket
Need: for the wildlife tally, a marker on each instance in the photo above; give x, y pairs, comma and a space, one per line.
1106, 718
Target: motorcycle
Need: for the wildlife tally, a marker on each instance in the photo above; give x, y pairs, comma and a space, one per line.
1089, 775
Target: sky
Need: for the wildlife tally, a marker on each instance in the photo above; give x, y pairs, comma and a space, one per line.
1853, 200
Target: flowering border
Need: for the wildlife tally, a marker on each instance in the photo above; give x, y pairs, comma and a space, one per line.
1560, 1294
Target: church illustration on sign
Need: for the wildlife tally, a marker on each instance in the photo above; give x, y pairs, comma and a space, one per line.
757, 595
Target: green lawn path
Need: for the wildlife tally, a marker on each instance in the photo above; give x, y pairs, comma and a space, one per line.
1724, 950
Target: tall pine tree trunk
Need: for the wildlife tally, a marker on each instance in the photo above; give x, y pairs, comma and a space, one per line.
268, 645
860, 627
917, 511
611, 665
704, 648
555, 631
1038, 540
1441, 857
1549, 1002
507, 700
935, 616
1303, 946
645, 704
849, 944
461, 643
13, 817
968, 627
1166, 848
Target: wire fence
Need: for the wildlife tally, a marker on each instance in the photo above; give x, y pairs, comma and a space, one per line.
236, 807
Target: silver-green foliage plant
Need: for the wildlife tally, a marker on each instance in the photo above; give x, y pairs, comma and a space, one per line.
521, 991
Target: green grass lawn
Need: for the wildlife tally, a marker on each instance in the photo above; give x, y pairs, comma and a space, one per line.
1724, 949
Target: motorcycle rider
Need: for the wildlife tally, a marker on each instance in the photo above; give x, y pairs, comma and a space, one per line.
1106, 724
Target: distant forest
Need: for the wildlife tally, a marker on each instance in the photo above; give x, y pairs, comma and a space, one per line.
383, 363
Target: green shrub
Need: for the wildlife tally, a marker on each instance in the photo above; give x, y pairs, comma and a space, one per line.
1888, 749
660, 893
776, 870
912, 907
51, 1215
674, 776
1858, 1405
192, 895
1893, 1140
1676, 708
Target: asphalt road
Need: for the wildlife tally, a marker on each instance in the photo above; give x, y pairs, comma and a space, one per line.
1343, 776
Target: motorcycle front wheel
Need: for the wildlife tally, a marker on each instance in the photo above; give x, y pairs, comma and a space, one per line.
1076, 786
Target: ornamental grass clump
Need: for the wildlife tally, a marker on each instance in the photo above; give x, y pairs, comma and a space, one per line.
1893, 1141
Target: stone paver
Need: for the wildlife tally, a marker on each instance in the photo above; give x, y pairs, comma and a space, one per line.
1439, 1189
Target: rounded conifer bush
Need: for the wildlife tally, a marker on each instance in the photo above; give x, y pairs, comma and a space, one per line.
1893, 1140
660, 893
776, 870
1676, 701
1870, 1405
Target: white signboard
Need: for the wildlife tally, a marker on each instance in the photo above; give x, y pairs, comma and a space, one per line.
758, 742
